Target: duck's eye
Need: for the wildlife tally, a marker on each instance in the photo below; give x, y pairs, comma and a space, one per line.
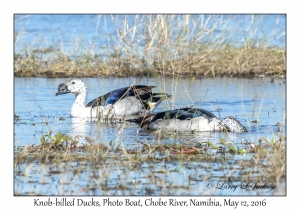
73, 83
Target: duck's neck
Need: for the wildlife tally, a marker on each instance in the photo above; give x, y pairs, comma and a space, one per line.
80, 98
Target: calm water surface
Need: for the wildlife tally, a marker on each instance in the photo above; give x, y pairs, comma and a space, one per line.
259, 100
246, 99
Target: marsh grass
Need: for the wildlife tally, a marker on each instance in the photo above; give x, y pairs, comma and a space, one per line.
113, 170
160, 45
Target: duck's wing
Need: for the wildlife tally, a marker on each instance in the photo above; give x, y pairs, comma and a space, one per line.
154, 100
140, 91
195, 112
144, 121
157, 97
181, 114
184, 114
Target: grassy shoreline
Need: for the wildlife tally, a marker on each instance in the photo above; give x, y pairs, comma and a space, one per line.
237, 62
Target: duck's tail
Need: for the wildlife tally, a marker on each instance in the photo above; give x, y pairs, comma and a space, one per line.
231, 124
154, 100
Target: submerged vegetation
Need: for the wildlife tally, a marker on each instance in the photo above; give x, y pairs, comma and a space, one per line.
162, 45
63, 157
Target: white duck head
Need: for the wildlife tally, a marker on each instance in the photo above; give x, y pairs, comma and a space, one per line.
75, 86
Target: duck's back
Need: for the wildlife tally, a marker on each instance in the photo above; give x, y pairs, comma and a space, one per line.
140, 91
184, 114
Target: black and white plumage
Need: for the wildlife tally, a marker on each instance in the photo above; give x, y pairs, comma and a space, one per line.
120, 102
188, 119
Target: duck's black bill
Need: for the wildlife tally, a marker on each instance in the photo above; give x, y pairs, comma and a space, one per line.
60, 93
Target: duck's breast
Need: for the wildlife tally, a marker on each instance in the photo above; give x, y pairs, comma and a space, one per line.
82, 111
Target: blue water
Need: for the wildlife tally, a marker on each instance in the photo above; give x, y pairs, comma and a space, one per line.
248, 100
81, 34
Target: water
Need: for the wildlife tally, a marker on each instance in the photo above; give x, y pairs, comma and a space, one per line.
259, 100
248, 100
